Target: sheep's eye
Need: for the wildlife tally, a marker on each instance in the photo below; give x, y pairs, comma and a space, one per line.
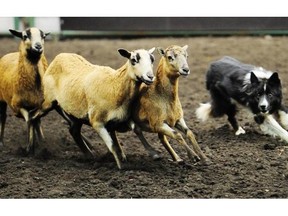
170, 58
25, 37
133, 61
152, 58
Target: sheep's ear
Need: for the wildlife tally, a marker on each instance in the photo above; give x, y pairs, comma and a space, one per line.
253, 78
151, 50
46, 34
124, 53
185, 47
161, 51
16, 33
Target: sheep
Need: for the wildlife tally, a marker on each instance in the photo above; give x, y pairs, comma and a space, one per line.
20, 81
95, 95
158, 109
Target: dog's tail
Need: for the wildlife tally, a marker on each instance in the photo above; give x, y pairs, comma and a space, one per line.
204, 111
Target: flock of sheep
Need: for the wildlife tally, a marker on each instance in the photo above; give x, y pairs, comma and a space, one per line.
109, 100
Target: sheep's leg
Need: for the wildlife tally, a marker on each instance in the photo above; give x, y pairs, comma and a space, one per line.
31, 138
31, 135
87, 142
181, 125
169, 148
45, 109
71, 120
36, 125
166, 130
75, 131
118, 146
3, 116
152, 152
67, 117
38, 130
104, 134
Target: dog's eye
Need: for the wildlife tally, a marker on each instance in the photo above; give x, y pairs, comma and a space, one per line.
258, 96
270, 95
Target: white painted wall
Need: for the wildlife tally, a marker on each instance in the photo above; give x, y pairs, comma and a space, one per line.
6, 23
47, 24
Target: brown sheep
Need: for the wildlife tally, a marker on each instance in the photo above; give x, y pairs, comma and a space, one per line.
158, 108
95, 95
20, 81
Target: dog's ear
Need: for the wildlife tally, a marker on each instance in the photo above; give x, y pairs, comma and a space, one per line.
274, 79
253, 78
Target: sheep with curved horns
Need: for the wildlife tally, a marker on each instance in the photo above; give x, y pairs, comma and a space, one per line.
158, 108
95, 95
20, 81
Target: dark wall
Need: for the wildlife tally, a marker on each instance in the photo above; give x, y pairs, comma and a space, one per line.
174, 24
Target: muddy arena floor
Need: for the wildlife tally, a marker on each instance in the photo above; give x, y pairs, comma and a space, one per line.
246, 166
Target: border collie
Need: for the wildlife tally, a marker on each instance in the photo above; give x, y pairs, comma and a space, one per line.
230, 82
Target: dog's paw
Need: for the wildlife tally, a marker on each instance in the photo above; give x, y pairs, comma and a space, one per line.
240, 131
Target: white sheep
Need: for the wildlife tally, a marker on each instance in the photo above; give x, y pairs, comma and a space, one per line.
158, 108
20, 83
95, 95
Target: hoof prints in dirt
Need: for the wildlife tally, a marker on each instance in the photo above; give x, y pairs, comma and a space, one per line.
247, 166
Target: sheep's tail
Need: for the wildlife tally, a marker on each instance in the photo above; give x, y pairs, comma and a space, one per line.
204, 111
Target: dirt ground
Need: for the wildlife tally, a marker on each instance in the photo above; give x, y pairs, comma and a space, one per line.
249, 166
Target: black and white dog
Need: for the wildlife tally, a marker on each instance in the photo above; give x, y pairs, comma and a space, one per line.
230, 81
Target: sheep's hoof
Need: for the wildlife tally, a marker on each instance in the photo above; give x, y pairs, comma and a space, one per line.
205, 162
178, 161
182, 163
24, 152
123, 158
30, 150
119, 165
89, 153
195, 158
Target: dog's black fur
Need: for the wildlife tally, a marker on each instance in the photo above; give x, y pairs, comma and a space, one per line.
230, 80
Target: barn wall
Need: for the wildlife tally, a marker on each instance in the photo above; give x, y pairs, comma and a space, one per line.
145, 26
175, 25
